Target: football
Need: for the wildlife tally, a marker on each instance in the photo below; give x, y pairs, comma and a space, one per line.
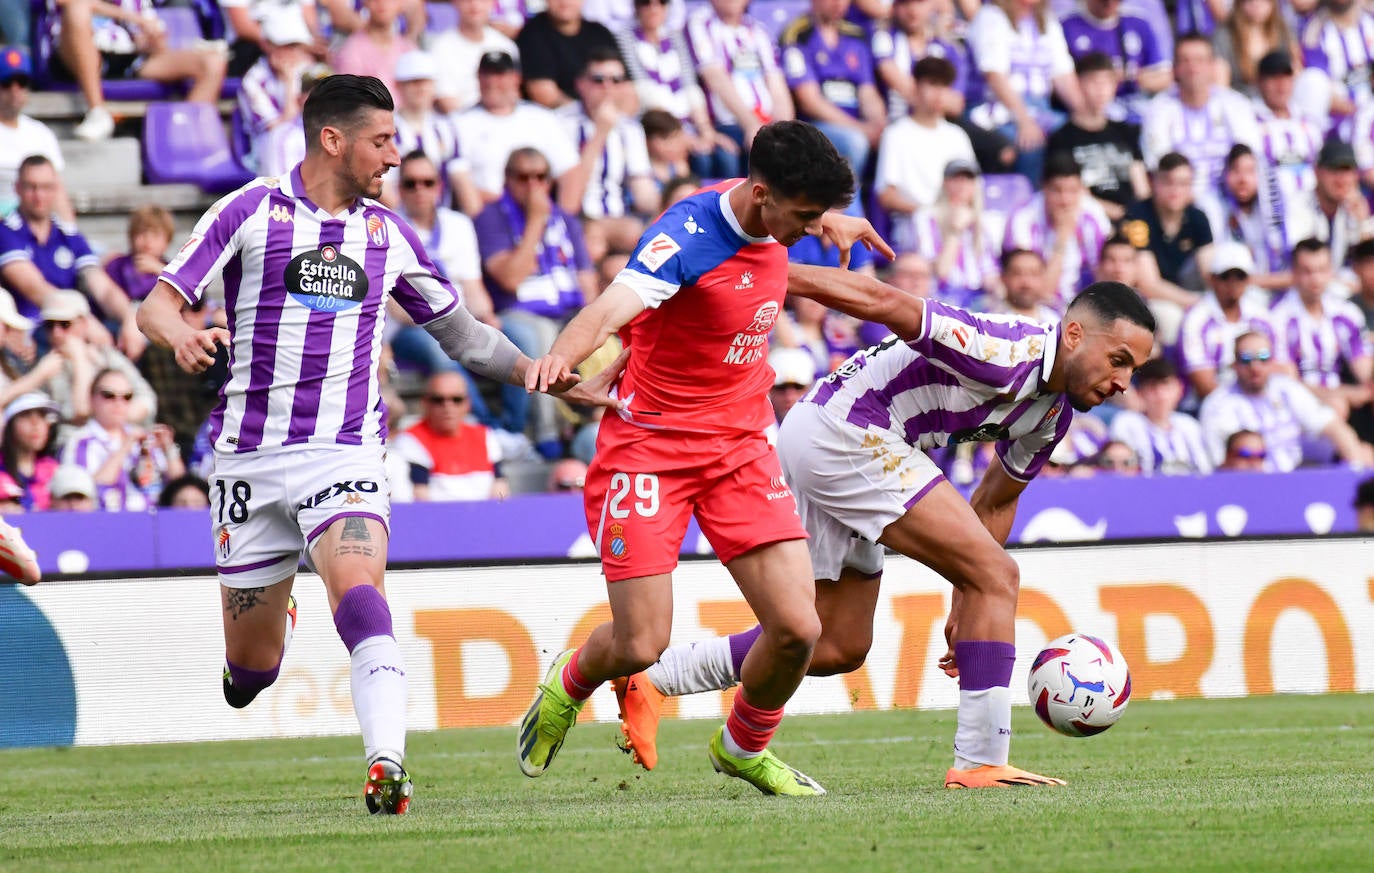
1079, 685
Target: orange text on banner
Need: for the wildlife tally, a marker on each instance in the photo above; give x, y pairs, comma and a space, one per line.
1305, 595
447, 630
1181, 677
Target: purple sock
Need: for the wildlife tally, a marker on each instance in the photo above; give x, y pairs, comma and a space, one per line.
740, 644
247, 681
362, 613
984, 664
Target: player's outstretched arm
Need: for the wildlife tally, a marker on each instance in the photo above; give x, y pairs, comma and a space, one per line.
863, 297
159, 317
846, 231
587, 332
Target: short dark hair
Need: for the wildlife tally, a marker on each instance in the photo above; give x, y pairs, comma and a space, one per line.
1172, 161
1094, 62
1309, 246
600, 54
1110, 301
1364, 493
414, 155
1238, 151
659, 123
1012, 254
1061, 165
1116, 239
172, 488
934, 69
1193, 36
795, 159
340, 101
34, 161
525, 153
1156, 370
1362, 250
1238, 435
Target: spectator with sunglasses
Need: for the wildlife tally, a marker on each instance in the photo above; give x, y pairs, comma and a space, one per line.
555, 46
130, 464
21, 135
1296, 426
619, 184
1245, 452
450, 456
1210, 328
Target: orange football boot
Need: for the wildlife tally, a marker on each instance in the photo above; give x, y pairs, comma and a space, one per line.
991, 776
641, 705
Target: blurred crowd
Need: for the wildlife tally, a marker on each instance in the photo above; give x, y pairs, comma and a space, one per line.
1216, 155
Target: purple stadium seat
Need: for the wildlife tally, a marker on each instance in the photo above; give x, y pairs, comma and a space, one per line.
183, 27
775, 15
186, 142
1005, 192
440, 17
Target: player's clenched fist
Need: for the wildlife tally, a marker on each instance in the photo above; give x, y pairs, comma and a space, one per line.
195, 352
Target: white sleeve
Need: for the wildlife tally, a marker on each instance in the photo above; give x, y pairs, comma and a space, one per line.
494, 453
556, 145
1310, 412
412, 451
1061, 62
653, 291
890, 159
1156, 135
1218, 420
467, 256
990, 36
1245, 127
699, 39
636, 152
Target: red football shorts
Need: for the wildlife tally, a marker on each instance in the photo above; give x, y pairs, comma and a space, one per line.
638, 518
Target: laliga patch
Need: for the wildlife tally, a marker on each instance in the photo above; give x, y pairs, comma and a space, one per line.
658, 251
326, 280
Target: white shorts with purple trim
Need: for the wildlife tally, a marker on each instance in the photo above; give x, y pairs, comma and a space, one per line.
268, 508
850, 483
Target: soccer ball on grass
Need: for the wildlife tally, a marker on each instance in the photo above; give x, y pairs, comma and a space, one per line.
1079, 685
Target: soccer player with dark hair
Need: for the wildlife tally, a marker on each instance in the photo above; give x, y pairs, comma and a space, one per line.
308, 261
855, 453
695, 306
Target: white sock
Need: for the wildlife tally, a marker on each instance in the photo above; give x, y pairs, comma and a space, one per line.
984, 732
379, 697
734, 748
691, 668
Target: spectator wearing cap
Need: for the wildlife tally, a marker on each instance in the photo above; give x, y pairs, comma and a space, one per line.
1019, 48
458, 51
1064, 225
72, 489
829, 67
1170, 123
1209, 330
737, 64
245, 19
150, 233
128, 462
269, 92
1321, 332
1335, 41
374, 49
27, 448
501, 123
1297, 427
1252, 31
554, 47
916, 148
617, 189
536, 267
1132, 50
1292, 130
956, 236
41, 252
1245, 453
17, 349
1249, 210
1167, 442
1174, 236
1025, 289
1107, 150
794, 372
659, 63
21, 135
1339, 210
420, 128
95, 40
66, 372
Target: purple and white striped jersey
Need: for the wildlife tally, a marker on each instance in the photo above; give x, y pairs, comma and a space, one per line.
1029, 228
1283, 413
305, 293
747, 53
435, 135
1207, 339
1344, 53
1290, 147
624, 156
1318, 345
262, 98
1176, 450
966, 378
974, 267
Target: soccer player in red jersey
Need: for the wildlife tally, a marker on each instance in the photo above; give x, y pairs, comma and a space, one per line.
695, 306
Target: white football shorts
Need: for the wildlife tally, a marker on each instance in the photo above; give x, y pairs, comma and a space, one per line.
850, 483
267, 509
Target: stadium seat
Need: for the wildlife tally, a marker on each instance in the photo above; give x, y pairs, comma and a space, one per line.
775, 15
183, 27
1001, 195
440, 17
186, 142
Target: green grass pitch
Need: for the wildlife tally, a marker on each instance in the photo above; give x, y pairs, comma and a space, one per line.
1276, 783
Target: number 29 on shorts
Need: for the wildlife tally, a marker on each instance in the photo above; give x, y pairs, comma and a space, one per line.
644, 501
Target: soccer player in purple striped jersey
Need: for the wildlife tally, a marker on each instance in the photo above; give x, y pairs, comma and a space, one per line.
308, 261
854, 452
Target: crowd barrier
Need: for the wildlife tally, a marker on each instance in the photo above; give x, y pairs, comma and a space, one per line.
137, 660
553, 526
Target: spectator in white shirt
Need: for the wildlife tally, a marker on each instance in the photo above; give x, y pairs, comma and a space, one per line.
20, 135
1166, 441
458, 52
1210, 328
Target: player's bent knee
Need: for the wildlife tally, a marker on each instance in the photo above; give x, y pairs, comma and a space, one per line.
638, 652
794, 641
997, 577
834, 660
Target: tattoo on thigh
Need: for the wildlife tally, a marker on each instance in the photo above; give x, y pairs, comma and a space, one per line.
243, 599
355, 528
